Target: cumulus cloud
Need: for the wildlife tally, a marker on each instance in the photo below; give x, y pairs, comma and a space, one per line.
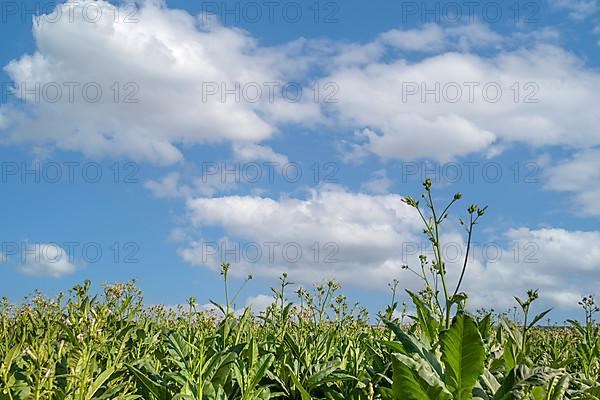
563, 264
375, 235
162, 82
166, 60
429, 38
580, 176
250, 162
379, 184
167, 187
250, 152
339, 234
173, 185
453, 104
432, 38
46, 259
259, 303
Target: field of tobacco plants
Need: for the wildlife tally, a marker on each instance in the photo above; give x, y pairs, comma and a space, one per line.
309, 344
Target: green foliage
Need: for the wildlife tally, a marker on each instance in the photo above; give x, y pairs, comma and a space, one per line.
81, 346
463, 355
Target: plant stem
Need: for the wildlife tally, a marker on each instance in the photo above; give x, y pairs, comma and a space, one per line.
431, 235
440, 263
464, 268
524, 338
226, 292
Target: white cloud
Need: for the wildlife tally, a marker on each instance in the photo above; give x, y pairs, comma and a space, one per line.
174, 185
259, 303
579, 175
376, 97
46, 259
377, 234
169, 56
432, 38
178, 235
542, 35
428, 38
578, 9
167, 187
351, 53
360, 235
380, 183
250, 152
219, 177
564, 265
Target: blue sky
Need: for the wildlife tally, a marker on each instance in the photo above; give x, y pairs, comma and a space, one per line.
391, 93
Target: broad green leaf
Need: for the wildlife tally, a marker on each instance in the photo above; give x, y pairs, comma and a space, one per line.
428, 323
560, 388
155, 388
323, 372
520, 379
416, 380
410, 344
463, 355
11, 356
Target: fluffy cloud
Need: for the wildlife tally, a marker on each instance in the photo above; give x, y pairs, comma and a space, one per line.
352, 232
173, 185
579, 175
259, 303
46, 259
401, 120
169, 56
377, 234
250, 152
167, 187
166, 60
432, 38
379, 184
563, 264
167, 64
